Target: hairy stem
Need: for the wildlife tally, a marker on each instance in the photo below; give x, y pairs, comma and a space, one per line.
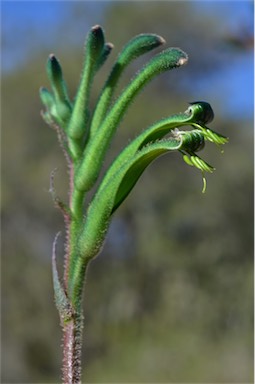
72, 327
72, 342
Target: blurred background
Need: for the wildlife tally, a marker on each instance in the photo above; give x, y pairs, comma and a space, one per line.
170, 299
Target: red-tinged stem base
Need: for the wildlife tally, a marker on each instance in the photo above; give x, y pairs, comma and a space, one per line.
72, 342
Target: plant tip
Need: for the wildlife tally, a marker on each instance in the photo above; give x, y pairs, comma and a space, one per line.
109, 45
96, 27
161, 40
183, 60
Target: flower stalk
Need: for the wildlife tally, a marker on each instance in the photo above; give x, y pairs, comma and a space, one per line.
85, 136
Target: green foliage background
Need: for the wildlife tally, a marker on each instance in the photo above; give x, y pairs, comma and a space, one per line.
170, 298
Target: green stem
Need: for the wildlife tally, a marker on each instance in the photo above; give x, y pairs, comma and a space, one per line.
72, 327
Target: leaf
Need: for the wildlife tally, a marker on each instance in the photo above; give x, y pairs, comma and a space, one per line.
62, 303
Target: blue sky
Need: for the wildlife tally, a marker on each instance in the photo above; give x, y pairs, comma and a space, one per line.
21, 19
